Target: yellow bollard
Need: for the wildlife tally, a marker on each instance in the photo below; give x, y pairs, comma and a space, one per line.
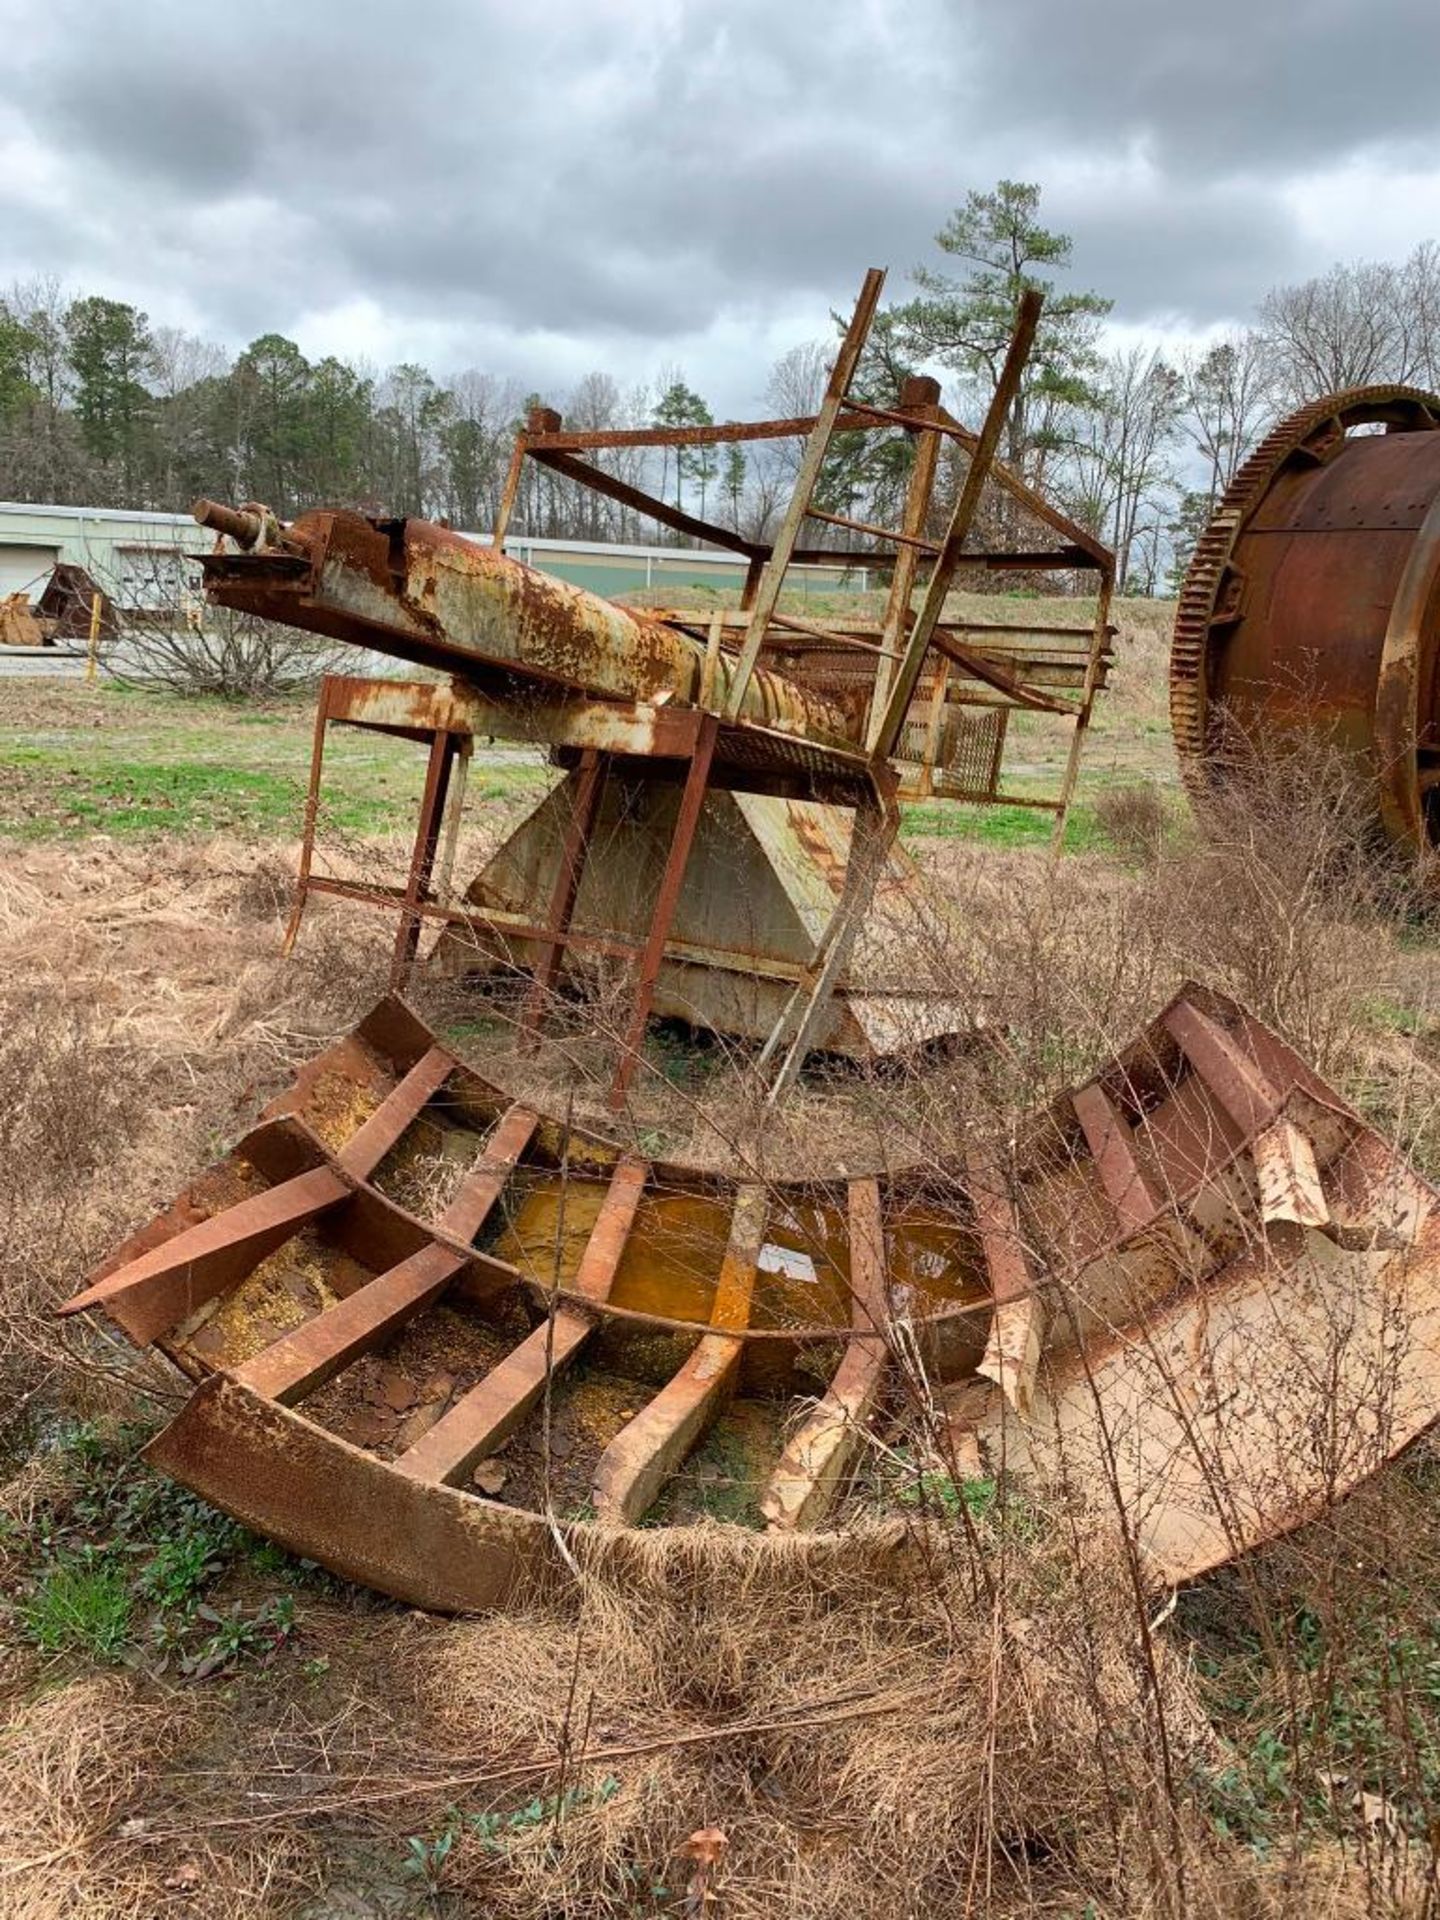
94, 649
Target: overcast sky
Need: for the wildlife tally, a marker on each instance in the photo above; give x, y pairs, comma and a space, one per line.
541, 189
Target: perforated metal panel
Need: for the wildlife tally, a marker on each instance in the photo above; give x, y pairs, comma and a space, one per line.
972, 740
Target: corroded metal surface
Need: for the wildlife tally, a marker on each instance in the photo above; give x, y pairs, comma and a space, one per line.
1311, 611
763, 879
915, 703
1199, 1292
423, 593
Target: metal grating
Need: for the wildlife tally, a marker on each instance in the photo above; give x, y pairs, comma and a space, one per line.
968, 750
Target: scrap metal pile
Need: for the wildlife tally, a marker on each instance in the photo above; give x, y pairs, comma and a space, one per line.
434, 1331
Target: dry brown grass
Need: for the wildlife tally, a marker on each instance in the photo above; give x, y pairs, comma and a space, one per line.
875, 1734
878, 1732
144, 1013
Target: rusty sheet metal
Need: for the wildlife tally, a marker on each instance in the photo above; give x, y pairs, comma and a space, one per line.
763, 878
1311, 611
1199, 1291
415, 708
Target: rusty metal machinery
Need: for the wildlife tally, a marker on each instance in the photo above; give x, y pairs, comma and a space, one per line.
732, 777
429, 1327
1311, 610
442, 1341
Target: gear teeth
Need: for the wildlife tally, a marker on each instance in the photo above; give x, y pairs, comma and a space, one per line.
1241, 500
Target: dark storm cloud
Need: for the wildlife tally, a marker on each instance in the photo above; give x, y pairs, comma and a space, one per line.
620, 174
1248, 86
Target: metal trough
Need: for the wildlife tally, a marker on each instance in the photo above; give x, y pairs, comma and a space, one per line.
434, 1331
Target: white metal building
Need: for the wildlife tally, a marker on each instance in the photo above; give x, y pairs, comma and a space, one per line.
140, 558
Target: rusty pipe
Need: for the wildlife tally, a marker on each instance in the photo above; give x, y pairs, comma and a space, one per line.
242, 525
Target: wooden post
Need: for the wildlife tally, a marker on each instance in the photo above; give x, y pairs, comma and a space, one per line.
93, 650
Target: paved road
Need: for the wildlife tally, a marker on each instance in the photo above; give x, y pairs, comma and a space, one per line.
40, 663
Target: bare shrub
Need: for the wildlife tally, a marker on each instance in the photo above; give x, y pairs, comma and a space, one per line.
1276, 897
1133, 819
1282, 896
229, 654
173, 638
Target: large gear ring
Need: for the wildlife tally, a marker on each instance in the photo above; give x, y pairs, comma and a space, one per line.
1311, 609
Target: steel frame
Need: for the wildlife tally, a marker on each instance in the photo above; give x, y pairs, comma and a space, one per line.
760, 626
861, 715
447, 723
1215, 1351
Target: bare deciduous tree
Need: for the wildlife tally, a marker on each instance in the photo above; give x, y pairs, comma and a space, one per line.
1226, 401
1342, 329
174, 638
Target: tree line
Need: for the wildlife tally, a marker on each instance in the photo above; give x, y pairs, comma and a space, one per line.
100, 407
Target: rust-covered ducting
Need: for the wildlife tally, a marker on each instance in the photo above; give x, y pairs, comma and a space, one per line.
1311, 611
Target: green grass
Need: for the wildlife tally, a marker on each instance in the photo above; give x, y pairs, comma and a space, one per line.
722, 1479
1325, 1692
1000, 826
1392, 1016
77, 761
182, 796
428, 1854
124, 1567
80, 1602
119, 761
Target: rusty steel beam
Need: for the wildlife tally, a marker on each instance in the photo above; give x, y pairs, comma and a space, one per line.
1111, 1142
817, 445
589, 785
396, 1113
422, 857
484, 1417
161, 1288
649, 504
646, 1452
921, 395
672, 877
1017, 1320
303, 1360
429, 595
811, 1472
885, 731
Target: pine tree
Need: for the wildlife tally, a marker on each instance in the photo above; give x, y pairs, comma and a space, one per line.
110, 352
